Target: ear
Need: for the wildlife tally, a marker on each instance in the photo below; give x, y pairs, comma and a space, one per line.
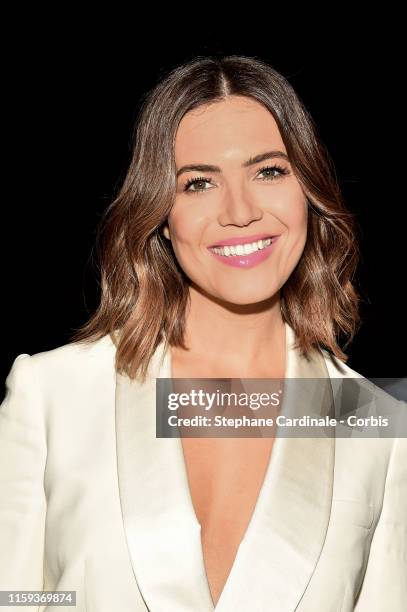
166, 231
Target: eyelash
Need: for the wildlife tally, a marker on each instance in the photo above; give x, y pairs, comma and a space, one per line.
199, 179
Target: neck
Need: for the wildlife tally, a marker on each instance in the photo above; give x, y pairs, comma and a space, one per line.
234, 337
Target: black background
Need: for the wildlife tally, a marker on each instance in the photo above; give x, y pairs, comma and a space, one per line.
72, 93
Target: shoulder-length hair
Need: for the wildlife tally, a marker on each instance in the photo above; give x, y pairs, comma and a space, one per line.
144, 291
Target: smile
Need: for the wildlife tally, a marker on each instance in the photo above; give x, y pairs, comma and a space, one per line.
245, 255
241, 249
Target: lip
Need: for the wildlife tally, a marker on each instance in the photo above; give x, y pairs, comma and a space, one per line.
246, 261
241, 240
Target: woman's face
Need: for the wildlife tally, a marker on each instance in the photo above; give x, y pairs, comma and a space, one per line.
238, 200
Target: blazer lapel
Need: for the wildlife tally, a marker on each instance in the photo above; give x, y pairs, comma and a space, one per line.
281, 546
163, 534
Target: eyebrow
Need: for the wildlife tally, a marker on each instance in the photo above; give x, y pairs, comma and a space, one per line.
250, 162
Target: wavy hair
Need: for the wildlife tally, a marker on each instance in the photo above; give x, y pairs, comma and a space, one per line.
144, 291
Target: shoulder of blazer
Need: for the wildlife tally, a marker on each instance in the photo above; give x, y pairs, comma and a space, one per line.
338, 368
387, 402
74, 361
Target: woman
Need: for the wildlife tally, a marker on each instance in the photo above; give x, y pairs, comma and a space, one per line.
225, 155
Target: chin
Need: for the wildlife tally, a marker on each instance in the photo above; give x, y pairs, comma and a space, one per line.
244, 297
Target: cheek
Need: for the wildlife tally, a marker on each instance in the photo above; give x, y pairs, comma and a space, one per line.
296, 223
292, 212
292, 209
186, 227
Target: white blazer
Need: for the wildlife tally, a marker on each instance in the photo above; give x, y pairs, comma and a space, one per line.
92, 501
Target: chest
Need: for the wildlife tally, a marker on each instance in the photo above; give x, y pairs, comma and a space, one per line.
225, 477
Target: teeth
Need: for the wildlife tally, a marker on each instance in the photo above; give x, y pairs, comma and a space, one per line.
242, 249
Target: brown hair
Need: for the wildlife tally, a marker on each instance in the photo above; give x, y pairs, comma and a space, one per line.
144, 291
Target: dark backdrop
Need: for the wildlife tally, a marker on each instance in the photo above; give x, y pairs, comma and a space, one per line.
73, 96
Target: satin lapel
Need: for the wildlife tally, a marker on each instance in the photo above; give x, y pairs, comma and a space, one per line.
281, 546
162, 531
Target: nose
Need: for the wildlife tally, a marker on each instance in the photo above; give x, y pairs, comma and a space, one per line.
239, 209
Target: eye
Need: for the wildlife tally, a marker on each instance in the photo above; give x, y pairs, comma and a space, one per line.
194, 181
281, 172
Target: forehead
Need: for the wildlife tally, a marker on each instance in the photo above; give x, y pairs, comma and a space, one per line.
237, 125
